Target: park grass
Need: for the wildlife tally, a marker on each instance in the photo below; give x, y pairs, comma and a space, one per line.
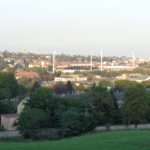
118, 140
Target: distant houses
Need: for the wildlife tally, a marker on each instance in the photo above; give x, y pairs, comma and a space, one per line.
134, 77
31, 75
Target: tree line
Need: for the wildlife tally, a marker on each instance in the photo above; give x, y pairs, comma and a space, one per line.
47, 116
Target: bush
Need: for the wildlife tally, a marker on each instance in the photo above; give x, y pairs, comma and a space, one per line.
73, 122
2, 128
47, 134
31, 121
70, 124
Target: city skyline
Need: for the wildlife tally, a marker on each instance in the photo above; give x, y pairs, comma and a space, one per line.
76, 27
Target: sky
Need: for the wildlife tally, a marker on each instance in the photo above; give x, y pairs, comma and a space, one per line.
118, 27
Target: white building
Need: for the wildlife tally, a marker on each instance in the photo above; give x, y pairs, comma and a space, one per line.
8, 120
72, 78
118, 68
21, 105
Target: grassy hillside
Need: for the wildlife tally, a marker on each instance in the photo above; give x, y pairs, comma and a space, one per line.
120, 140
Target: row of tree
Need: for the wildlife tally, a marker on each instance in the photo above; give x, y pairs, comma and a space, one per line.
45, 113
49, 116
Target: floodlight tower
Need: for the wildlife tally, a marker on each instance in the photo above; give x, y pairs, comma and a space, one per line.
133, 59
101, 55
91, 63
54, 53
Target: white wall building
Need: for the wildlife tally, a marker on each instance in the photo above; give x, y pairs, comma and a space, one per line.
72, 78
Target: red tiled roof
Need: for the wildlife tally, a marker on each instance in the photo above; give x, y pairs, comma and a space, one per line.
27, 74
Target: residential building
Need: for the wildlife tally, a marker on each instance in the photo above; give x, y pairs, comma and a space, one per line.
8, 120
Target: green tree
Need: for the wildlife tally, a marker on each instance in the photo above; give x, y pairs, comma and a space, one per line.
74, 122
40, 98
101, 104
70, 123
105, 83
6, 107
60, 88
134, 105
9, 89
40, 113
31, 121
148, 106
35, 86
122, 85
69, 87
8, 86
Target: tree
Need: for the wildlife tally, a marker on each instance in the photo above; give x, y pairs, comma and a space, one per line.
148, 106
69, 87
72, 116
73, 122
6, 107
22, 90
70, 123
101, 104
134, 105
105, 83
40, 98
35, 86
40, 113
60, 88
122, 85
9, 89
31, 121
8, 86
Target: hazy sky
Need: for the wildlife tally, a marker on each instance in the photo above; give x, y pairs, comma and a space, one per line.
76, 26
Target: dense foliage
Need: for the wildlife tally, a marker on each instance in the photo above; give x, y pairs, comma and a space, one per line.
69, 115
9, 90
135, 105
47, 115
72, 116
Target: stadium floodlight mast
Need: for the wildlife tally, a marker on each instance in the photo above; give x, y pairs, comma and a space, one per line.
91, 62
133, 59
54, 53
101, 56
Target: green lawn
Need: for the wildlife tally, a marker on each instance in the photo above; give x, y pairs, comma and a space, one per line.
119, 140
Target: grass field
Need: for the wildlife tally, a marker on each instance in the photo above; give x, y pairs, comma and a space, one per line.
119, 140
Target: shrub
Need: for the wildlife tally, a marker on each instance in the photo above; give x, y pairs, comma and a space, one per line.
73, 122
2, 128
31, 121
47, 134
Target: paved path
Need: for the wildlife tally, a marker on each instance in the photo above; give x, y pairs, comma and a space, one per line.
123, 127
9, 134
